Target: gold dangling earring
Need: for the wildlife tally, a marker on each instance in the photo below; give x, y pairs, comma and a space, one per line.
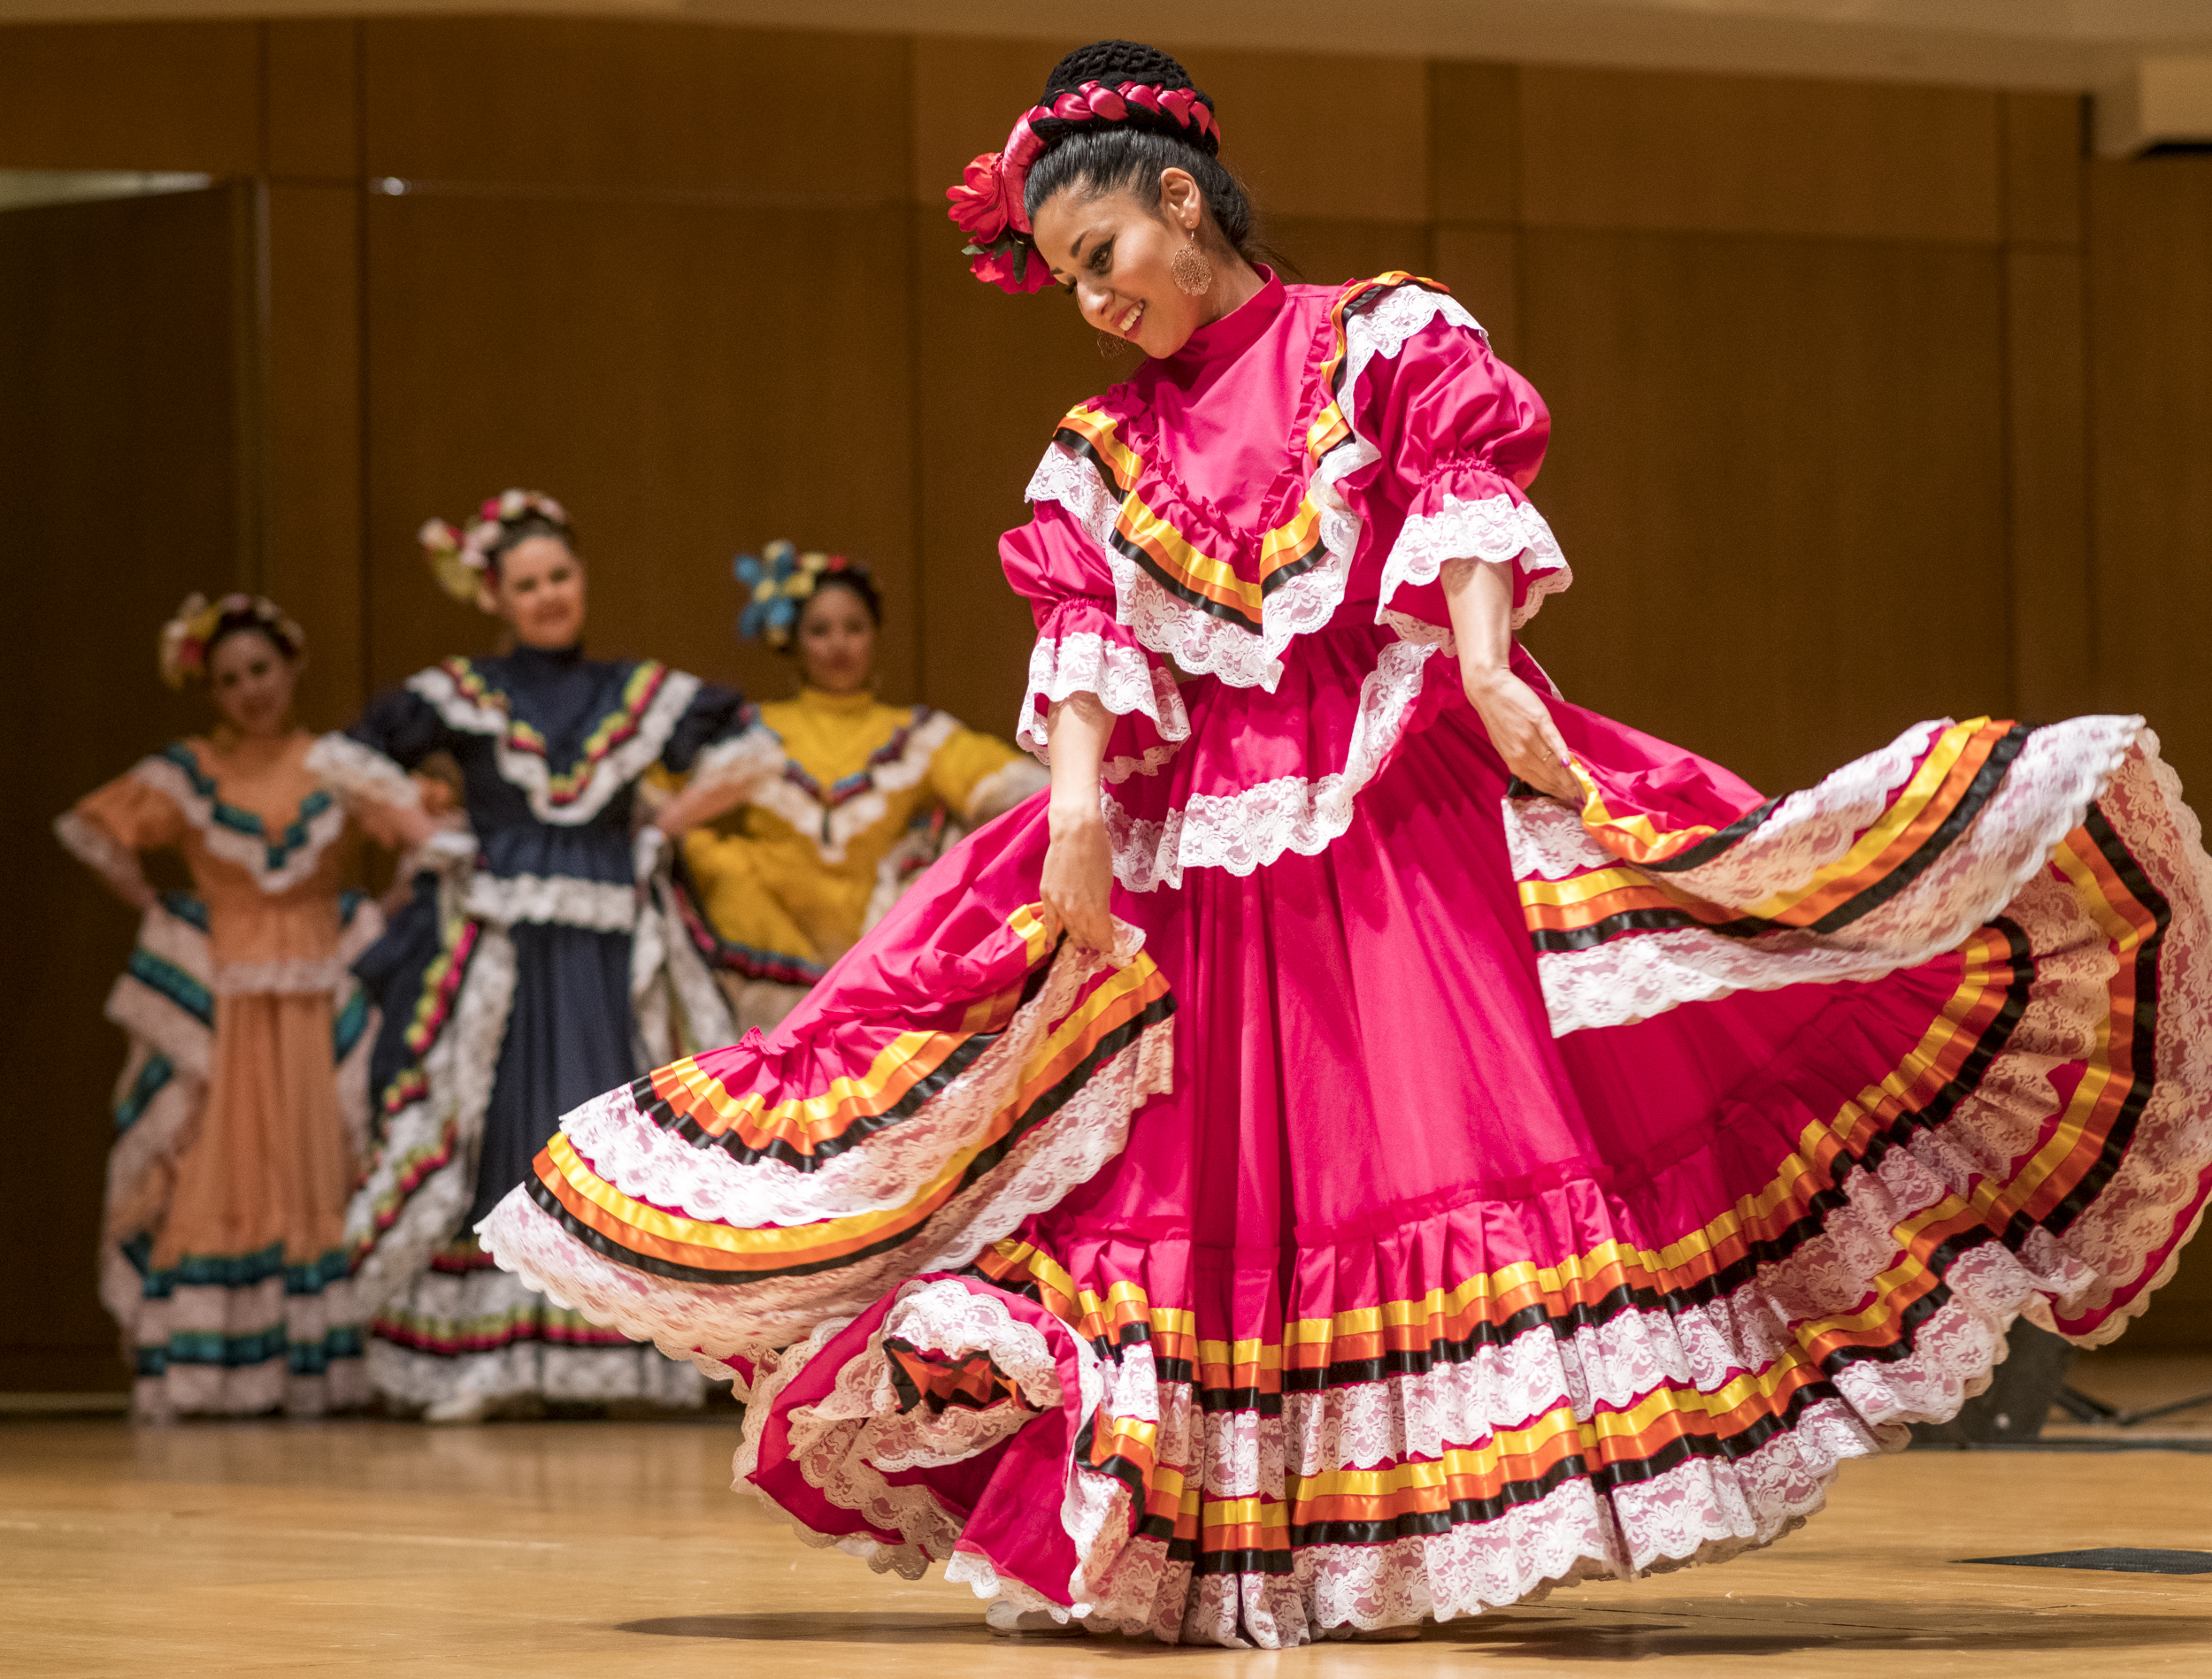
1111, 347
1193, 274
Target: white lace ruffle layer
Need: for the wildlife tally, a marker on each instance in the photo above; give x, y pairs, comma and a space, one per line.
1496, 530
1118, 676
91, 845
565, 900
528, 771
2059, 773
833, 828
999, 792
361, 773
488, 1299
713, 1322
1249, 828
243, 850
1201, 643
448, 1119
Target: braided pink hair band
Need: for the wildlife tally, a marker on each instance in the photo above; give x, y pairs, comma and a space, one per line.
987, 206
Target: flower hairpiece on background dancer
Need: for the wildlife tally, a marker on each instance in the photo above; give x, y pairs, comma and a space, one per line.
987, 205
783, 581
200, 622
462, 558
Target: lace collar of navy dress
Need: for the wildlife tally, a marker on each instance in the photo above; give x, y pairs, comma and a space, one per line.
615, 748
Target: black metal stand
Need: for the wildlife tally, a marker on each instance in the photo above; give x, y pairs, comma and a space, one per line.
2083, 1409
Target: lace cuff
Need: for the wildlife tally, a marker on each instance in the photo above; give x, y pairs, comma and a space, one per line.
1002, 790
360, 773
741, 759
1126, 681
91, 845
1497, 529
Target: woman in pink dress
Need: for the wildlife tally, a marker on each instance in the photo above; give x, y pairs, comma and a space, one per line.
1377, 1141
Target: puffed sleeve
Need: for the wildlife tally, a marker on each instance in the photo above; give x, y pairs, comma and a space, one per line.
367, 762
107, 829
720, 741
1462, 436
977, 776
1081, 646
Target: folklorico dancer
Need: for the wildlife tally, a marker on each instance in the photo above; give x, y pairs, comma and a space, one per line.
241, 1107
1382, 1139
526, 976
867, 796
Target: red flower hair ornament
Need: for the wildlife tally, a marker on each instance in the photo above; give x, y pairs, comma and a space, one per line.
987, 205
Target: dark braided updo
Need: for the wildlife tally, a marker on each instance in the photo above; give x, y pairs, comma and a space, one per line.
1129, 155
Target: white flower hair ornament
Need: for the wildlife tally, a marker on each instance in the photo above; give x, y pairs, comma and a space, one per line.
200, 622
461, 559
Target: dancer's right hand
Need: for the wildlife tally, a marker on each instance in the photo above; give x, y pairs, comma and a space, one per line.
1079, 876
1521, 729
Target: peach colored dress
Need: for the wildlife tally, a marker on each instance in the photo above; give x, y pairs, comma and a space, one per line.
227, 1191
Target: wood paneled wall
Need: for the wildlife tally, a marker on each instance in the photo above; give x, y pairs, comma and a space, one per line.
1870, 402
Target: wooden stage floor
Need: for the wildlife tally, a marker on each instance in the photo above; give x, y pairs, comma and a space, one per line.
614, 1549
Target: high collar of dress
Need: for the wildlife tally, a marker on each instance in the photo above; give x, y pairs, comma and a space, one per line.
1235, 331
527, 662
844, 705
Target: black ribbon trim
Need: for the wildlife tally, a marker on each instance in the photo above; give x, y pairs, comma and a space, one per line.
1987, 779
1047, 1104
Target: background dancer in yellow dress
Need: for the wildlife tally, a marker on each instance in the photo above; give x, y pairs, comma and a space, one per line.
800, 862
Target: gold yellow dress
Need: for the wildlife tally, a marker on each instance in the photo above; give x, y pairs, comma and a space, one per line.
867, 796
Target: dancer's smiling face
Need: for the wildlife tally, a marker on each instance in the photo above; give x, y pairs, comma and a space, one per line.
1112, 250
836, 639
252, 679
538, 587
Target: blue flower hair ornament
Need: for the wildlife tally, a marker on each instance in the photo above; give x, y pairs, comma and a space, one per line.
779, 581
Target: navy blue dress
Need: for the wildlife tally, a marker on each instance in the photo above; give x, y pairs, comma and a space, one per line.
521, 959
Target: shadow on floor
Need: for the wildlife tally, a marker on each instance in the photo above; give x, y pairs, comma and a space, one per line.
1751, 1629
864, 1627
1739, 1628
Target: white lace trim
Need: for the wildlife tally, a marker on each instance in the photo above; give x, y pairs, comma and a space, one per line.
833, 830
145, 1013
1197, 641
358, 773
879, 1173
1496, 530
1119, 676
741, 759
244, 849
460, 1070
846, 1443
2046, 791
1002, 789
521, 1367
678, 1006
286, 977
714, 1323
141, 1174
2147, 1202
508, 900
529, 773
92, 846
1247, 830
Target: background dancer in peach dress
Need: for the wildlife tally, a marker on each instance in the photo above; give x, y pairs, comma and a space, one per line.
241, 1108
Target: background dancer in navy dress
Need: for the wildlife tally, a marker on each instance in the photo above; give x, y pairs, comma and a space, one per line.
529, 971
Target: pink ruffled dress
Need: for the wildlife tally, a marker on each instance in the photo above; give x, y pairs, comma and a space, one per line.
1441, 1194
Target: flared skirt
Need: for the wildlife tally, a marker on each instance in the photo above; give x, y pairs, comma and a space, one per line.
1473, 1206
